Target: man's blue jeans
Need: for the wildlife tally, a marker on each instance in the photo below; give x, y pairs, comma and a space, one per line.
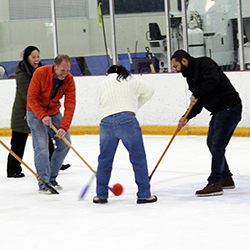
47, 169
125, 127
221, 128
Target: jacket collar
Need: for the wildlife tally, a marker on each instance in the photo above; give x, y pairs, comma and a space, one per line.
190, 68
67, 78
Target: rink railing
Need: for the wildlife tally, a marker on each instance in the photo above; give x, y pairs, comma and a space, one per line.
159, 116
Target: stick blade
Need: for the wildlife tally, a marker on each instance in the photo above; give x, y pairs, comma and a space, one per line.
84, 192
51, 189
87, 187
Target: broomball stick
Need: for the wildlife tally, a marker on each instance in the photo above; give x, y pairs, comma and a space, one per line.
116, 189
178, 128
68, 143
50, 188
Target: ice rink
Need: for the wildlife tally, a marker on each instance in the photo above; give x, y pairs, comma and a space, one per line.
178, 221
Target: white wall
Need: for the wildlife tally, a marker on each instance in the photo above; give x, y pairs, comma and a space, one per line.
168, 104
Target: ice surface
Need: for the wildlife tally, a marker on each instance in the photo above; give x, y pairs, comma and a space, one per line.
179, 220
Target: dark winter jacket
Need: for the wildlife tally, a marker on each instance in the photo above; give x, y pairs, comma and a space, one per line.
18, 118
210, 85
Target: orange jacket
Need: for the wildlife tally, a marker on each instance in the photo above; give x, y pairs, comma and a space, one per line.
39, 96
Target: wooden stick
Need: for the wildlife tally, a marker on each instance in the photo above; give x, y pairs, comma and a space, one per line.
51, 189
68, 143
175, 133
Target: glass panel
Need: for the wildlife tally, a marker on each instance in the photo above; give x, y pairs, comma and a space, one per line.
140, 32
28, 22
29, 9
132, 22
214, 23
131, 6
210, 24
212, 30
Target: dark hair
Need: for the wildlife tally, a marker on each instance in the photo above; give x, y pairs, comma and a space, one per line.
61, 57
27, 51
179, 55
120, 70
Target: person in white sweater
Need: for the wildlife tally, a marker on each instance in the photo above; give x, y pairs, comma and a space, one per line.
120, 97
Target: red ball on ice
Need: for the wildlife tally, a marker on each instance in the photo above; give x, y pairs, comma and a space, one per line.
117, 189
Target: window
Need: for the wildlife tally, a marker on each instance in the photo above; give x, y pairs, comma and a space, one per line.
33, 9
133, 6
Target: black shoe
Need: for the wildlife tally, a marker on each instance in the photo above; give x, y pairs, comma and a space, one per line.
15, 175
44, 190
63, 167
99, 200
153, 198
56, 185
228, 183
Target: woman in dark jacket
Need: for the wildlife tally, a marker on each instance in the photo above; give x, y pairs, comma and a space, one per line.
20, 129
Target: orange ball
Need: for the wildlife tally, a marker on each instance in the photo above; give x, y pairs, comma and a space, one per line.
117, 189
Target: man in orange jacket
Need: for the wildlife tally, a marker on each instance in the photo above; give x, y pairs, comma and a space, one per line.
48, 85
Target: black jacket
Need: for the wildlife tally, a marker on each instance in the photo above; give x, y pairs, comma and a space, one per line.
210, 85
18, 117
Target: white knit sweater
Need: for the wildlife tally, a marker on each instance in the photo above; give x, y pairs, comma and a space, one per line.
127, 95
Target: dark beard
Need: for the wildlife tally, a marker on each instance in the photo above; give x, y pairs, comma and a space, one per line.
183, 68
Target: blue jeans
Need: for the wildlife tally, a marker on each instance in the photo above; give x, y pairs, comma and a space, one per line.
221, 128
47, 169
125, 127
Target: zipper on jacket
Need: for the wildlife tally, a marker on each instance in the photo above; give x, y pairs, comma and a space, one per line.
56, 93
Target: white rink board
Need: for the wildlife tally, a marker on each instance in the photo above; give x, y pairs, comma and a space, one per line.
169, 102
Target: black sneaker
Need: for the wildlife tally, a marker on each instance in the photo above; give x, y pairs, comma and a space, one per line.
44, 190
228, 183
99, 200
153, 198
63, 167
211, 189
15, 175
56, 185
